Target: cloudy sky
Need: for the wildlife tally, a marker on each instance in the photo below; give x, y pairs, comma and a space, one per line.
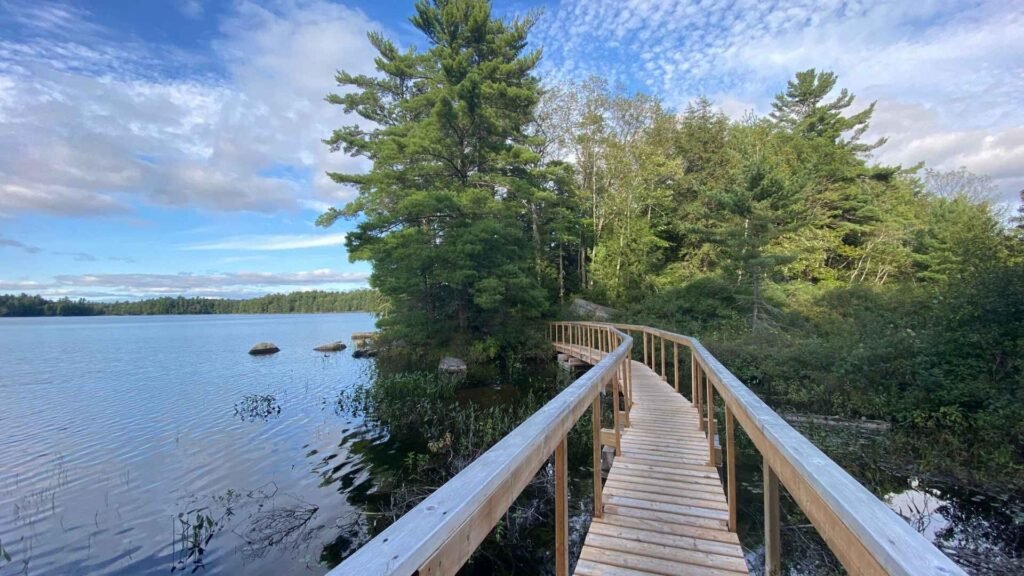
173, 146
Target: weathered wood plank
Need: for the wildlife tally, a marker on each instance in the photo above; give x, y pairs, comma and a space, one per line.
672, 529
623, 543
645, 564
672, 540
628, 491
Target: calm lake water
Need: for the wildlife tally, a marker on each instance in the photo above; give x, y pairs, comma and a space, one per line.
112, 427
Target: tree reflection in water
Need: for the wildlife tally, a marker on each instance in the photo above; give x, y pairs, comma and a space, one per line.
263, 519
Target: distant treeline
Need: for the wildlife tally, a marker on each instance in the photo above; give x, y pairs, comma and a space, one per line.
363, 300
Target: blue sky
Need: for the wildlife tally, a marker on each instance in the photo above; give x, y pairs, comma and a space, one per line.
173, 146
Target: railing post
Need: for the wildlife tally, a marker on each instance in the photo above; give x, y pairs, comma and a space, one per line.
645, 347
693, 380
561, 510
627, 381
700, 398
712, 429
772, 532
615, 410
675, 363
595, 415
664, 375
730, 465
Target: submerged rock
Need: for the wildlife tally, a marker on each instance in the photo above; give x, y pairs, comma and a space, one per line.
264, 348
331, 347
365, 353
452, 366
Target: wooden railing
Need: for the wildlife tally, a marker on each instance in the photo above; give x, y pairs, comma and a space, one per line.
864, 534
440, 534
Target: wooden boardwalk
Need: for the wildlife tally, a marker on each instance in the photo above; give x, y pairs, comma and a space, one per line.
662, 508
665, 511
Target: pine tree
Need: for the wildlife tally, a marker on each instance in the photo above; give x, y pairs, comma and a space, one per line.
444, 211
761, 207
801, 109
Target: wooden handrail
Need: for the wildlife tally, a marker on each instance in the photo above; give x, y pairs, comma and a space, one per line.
865, 535
440, 534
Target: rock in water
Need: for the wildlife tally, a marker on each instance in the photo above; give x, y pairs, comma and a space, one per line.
264, 348
365, 353
332, 347
452, 366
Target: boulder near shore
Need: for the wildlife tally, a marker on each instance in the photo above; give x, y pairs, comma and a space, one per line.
264, 348
452, 366
331, 347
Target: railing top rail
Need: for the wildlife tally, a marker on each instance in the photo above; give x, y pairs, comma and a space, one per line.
452, 517
888, 539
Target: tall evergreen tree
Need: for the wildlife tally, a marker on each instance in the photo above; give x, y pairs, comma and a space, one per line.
854, 238
443, 212
761, 207
801, 108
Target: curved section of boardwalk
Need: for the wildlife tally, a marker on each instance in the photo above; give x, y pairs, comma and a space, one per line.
662, 509
665, 511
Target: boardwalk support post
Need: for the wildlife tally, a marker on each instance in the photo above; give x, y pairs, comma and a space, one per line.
615, 412
772, 532
675, 364
595, 415
561, 510
664, 374
712, 429
730, 466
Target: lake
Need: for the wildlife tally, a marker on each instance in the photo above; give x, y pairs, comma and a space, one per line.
138, 445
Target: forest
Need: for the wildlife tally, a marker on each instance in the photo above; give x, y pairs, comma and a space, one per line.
828, 281
363, 300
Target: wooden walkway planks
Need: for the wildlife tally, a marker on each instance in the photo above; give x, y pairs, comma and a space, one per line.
664, 508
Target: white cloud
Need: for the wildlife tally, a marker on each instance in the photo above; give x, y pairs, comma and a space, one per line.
91, 125
948, 74
271, 242
232, 284
47, 16
22, 286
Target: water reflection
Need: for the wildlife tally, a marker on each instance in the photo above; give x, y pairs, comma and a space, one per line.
982, 532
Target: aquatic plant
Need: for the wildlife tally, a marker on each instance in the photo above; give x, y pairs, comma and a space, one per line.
257, 407
195, 530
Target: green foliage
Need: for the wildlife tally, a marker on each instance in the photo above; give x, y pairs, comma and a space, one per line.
827, 283
452, 215
312, 301
801, 109
407, 404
